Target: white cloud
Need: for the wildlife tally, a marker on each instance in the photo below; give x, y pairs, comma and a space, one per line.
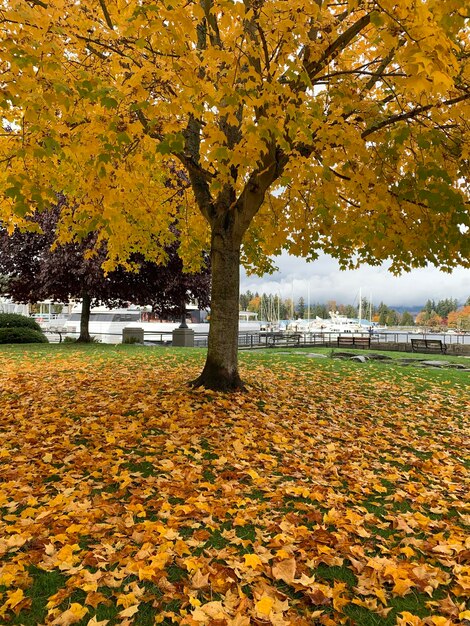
328, 282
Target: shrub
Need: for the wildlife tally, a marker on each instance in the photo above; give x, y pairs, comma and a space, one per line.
13, 320
132, 340
22, 335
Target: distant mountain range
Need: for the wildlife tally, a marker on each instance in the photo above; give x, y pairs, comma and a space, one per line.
414, 309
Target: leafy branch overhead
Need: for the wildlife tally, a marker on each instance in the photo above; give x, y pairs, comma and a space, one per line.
303, 125
342, 112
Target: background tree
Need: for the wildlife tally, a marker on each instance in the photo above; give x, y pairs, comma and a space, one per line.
368, 310
460, 319
429, 307
265, 307
35, 271
295, 122
444, 307
392, 318
349, 310
382, 312
301, 308
320, 310
407, 319
429, 320
245, 300
254, 304
289, 308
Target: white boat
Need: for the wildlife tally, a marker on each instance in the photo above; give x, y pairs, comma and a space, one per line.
107, 324
336, 324
343, 324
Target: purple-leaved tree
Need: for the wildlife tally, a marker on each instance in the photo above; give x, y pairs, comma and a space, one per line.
32, 271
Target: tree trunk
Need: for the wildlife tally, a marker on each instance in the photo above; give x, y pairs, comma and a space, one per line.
85, 320
221, 368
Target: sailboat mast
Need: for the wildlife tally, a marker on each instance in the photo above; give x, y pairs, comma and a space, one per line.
360, 305
308, 302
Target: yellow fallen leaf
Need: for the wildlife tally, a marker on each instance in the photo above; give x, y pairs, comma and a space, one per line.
213, 610
402, 586
14, 598
409, 552
252, 560
264, 605
239, 620
408, 619
126, 600
130, 611
71, 616
438, 620
94, 622
66, 558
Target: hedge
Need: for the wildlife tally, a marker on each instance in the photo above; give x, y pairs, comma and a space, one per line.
22, 335
13, 320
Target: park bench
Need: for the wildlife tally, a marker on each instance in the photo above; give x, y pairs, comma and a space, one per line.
434, 346
344, 341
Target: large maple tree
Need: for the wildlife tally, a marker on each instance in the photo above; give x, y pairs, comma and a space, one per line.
304, 125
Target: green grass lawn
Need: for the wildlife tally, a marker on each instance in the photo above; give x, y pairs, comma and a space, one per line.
330, 492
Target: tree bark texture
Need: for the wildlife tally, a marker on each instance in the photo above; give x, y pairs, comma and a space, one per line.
220, 372
85, 320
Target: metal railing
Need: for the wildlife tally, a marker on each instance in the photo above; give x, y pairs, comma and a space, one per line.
266, 339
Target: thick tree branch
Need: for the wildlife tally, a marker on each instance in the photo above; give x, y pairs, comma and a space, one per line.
253, 194
337, 46
200, 187
412, 114
211, 19
106, 14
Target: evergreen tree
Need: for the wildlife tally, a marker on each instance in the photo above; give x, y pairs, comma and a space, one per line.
349, 310
429, 307
245, 300
407, 319
444, 307
382, 313
392, 318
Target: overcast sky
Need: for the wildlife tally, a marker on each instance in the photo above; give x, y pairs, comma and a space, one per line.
327, 282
